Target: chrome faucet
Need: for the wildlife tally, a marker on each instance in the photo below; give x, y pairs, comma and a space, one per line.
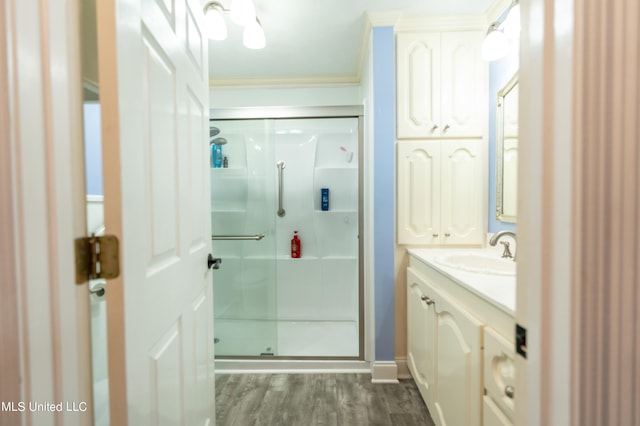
494, 240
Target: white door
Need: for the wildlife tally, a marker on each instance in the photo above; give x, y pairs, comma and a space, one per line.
463, 194
458, 390
418, 69
463, 84
154, 96
421, 336
418, 188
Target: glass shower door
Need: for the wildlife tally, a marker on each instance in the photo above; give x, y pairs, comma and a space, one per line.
243, 227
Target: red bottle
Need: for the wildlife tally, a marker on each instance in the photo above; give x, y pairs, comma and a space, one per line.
296, 249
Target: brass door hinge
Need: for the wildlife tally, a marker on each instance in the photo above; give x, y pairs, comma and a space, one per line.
97, 257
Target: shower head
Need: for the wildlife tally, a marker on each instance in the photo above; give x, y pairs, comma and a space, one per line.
218, 141
213, 131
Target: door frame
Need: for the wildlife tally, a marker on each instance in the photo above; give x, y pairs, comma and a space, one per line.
545, 293
43, 201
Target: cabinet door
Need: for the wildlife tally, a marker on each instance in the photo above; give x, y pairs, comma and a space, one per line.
463, 192
458, 393
492, 416
418, 85
463, 85
418, 192
499, 373
421, 337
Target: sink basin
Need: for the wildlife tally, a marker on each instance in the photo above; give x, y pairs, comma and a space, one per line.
476, 262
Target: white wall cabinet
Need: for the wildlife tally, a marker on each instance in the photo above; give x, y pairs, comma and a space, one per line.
441, 85
441, 193
456, 351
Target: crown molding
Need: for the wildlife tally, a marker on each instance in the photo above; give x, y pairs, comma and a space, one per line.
441, 23
496, 10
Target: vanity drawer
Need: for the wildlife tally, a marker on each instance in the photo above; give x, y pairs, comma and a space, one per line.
499, 374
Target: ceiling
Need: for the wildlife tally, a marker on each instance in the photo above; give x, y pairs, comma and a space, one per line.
314, 41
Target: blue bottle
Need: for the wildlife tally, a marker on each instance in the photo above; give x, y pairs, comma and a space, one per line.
216, 155
324, 199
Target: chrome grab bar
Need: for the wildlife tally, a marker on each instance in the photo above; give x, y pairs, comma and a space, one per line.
256, 237
281, 211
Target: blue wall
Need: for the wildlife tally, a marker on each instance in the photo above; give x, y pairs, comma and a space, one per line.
93, 149
384, 191
500, 72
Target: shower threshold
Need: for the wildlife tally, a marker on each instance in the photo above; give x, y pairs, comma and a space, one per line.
245, 366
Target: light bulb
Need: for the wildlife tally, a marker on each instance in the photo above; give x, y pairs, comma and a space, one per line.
243, 12
215, 25
253, 36
495, 46
511, 26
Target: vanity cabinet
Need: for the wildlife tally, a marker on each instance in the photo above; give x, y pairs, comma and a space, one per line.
456, 350
440, 192
444, 354
441, 85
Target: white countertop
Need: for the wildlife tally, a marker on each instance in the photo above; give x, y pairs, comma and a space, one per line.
499, 290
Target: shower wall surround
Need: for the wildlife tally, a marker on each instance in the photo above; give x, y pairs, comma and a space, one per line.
268, 303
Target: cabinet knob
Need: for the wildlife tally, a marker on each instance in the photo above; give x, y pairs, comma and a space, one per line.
436, 235
434, 128
427, 300
446, 127
509, 391
448, 234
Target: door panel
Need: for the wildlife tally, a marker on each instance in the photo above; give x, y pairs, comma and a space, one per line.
464, 76
418, 192
154, 97
462, 205
459, 380
421, 337
418, 68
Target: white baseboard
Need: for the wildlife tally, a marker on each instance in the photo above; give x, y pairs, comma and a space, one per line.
403, 368
384, 372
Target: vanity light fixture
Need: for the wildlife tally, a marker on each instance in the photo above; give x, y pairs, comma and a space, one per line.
215, 26
253, 35
242, 12
511, 24
496, 43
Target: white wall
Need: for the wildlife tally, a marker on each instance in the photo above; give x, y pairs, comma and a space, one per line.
321, 95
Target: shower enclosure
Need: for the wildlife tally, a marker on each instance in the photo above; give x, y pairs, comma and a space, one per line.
270, 184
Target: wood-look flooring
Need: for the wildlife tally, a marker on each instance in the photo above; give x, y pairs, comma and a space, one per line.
316, 399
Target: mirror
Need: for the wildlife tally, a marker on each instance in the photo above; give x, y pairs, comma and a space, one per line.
507, 152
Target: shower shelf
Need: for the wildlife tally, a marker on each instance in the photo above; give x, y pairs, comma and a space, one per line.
328, 257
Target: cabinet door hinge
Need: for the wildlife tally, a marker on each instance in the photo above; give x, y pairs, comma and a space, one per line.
97, 257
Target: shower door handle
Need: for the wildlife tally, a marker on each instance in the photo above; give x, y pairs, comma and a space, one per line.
280, 166
213, 262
